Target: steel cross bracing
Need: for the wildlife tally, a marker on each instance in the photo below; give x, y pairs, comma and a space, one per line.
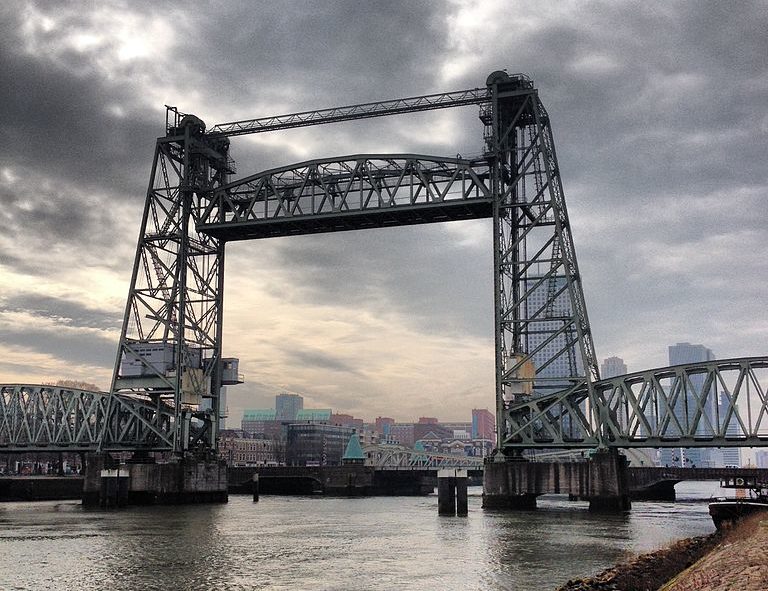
54, 418
353, 192
713, 404
172, 330
543, 337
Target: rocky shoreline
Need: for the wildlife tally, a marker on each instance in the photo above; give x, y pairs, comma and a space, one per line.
733, 559
648, 572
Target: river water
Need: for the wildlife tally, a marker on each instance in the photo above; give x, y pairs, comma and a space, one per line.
320, 543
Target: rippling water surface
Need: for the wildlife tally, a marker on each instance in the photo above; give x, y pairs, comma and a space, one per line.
328, 543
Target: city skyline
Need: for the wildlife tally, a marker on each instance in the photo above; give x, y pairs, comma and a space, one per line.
661, 154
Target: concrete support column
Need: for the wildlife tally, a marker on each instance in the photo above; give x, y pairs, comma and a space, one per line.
608, 489
446, 493
255, 487
462, 501
452, 492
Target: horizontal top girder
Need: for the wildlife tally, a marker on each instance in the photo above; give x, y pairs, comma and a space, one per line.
428, 102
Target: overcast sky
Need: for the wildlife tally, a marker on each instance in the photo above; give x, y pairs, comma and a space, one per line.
659, 113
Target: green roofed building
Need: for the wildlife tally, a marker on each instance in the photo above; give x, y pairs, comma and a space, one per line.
314, 415
255, 420
260, 414
354, 453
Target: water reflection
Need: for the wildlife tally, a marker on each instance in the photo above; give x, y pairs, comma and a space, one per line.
303, 543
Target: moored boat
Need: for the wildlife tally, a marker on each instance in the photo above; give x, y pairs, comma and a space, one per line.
728, 510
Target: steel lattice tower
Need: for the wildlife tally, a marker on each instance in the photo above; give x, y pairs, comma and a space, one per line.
543, 338
170, 345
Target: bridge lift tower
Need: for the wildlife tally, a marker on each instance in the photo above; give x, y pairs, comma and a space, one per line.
169, 360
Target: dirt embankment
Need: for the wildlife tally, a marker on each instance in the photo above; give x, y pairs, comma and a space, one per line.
732, 560
738, 563
647, 572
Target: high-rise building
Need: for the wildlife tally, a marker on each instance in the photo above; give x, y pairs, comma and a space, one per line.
557, 356
612, 367
731, 456
483, 424
383, 426
761, 458
680, 354
288, 406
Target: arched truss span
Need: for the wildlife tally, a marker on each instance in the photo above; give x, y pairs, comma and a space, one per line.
718, 403
398, 457
54, 418
348, 193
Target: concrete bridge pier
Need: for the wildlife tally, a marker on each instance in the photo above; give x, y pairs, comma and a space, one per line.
607, 488
515, 484
144, 482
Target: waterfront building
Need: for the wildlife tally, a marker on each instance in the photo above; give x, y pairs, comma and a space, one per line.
761, 458
314, 444
313, 415
421, 429
288, 406
345, 420
255, 419
238, 449
353, 455
402, 433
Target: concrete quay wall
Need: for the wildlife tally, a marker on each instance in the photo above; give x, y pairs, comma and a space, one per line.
350, 480
40, 488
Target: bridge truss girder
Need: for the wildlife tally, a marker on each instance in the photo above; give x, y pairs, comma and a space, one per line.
349, 193
397, 457
544, 355
36, 418
713, 404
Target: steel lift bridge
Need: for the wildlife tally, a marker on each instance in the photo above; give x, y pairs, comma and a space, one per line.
169, 366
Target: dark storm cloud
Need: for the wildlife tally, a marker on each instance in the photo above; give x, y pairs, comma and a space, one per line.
55, 121
659, 118
72, 347
656, 96
67, 312
314, 358
314, 54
